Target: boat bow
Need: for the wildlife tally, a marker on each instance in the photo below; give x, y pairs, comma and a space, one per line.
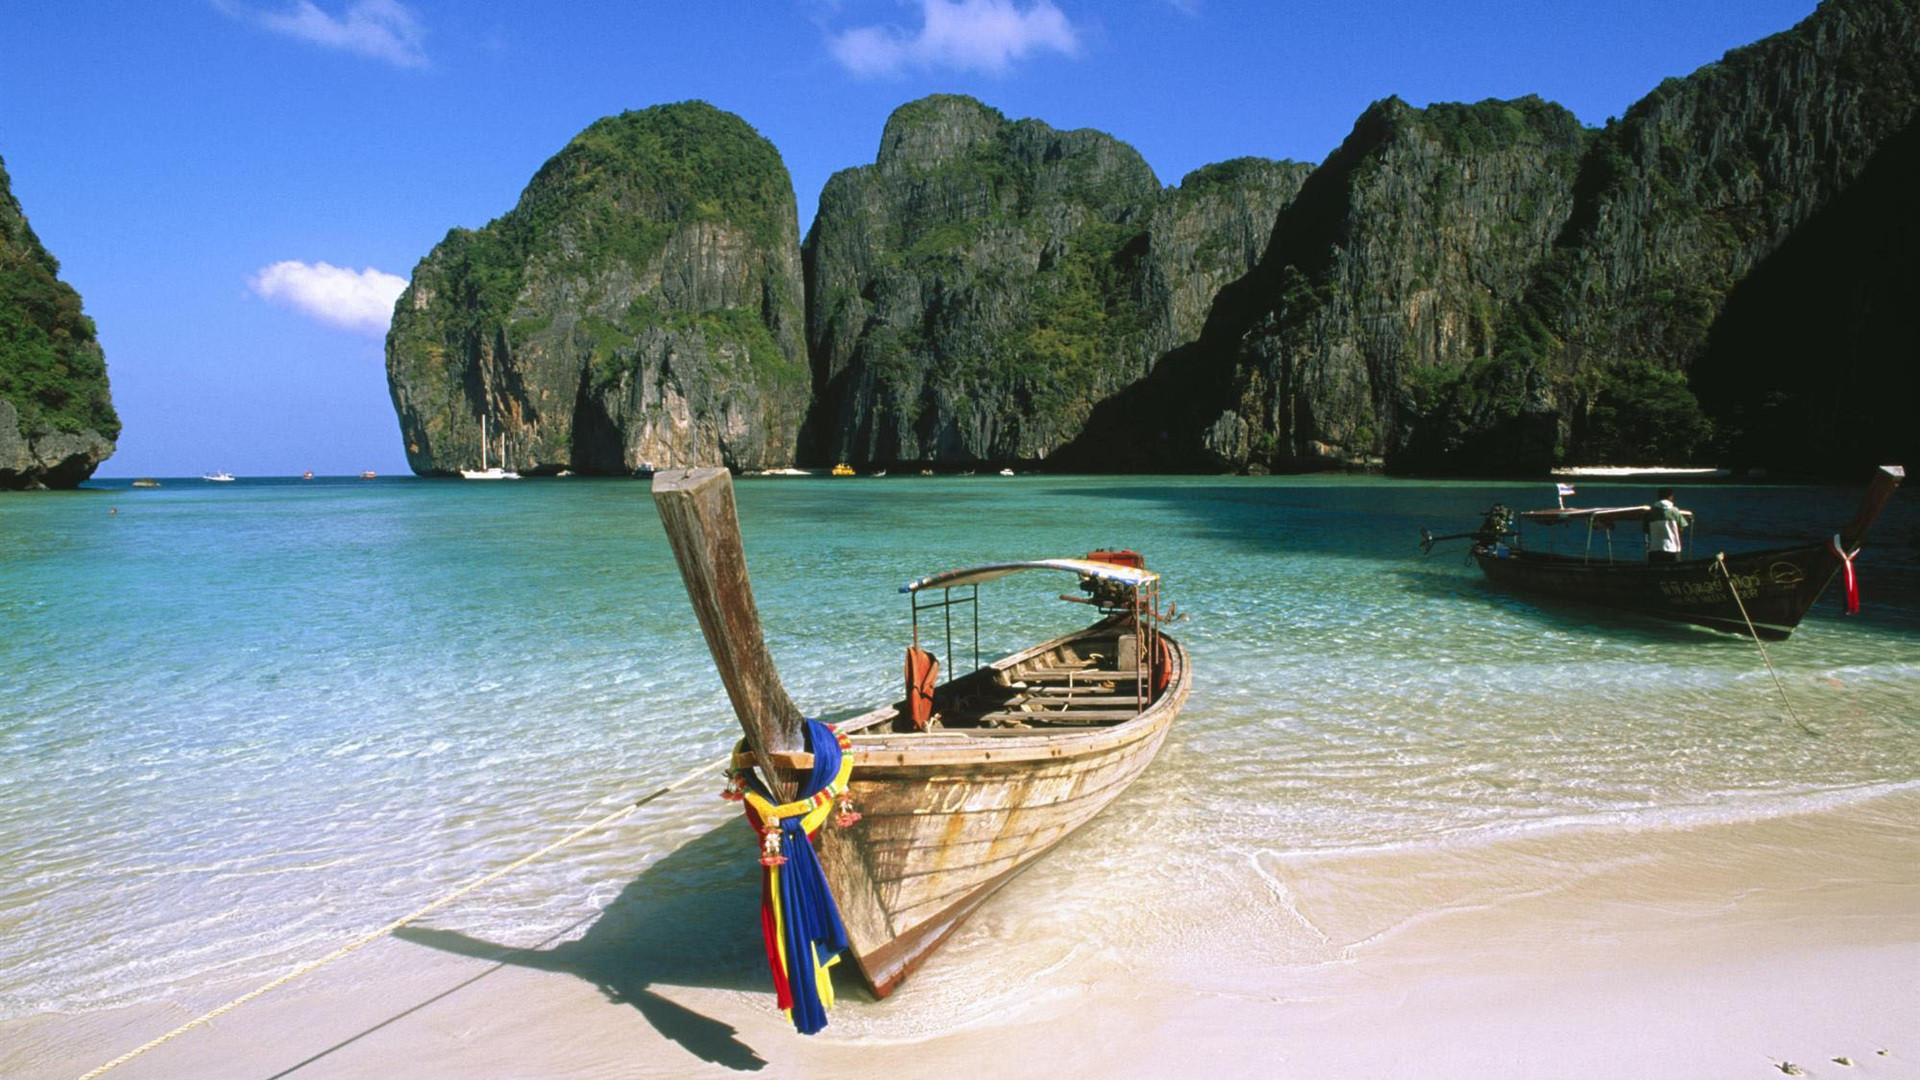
696, 507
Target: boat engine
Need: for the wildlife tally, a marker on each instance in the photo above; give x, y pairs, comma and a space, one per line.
1111, 595
1495, 526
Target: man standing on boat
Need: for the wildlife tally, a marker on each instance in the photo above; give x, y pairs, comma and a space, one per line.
1665, 526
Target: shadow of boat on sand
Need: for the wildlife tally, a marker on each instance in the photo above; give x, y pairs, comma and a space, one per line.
691, 919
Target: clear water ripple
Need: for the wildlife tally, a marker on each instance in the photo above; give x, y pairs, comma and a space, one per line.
240, 726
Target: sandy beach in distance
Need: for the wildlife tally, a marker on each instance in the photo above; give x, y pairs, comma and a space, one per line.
1749, 949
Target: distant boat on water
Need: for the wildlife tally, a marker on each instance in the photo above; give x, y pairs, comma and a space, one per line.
218, 477
484, 472
308, 475
146, 482
368, 474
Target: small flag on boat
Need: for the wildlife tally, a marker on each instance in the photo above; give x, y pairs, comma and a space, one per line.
1565, 489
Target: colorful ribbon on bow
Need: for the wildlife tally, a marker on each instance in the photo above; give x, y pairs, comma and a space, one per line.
1846, 563
798, 917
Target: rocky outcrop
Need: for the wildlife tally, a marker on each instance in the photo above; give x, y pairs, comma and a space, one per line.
57, 422
1394, 260
1487, 288
1204, 235
641, 305
1491, 289
1810, 366
1701, 183
979, 288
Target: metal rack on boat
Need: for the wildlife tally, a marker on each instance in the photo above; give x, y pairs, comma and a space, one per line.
1127, 593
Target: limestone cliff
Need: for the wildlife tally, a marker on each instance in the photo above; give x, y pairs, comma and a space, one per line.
1395, 259
1484, 288
1491, 289
1204, 235
980, 287
57, 422
641, 304
1814, 363
1688, 195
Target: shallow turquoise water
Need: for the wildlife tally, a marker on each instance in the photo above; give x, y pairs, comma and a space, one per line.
240, 724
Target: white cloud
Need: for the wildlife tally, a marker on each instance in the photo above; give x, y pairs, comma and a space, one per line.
964, 35
357, 300
383, 29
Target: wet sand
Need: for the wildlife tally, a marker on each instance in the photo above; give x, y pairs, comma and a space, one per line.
1729, 950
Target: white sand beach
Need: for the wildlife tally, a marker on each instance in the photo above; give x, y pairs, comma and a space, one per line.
1687, 471
1750, 949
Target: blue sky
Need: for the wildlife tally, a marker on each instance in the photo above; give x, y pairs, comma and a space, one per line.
239, 187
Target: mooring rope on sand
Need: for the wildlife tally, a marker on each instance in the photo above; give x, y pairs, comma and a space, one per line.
1721, 559
364, 939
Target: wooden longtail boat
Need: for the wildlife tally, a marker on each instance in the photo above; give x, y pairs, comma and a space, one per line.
1776, 587
962, 784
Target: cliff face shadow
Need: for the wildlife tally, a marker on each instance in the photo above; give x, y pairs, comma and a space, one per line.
690, 919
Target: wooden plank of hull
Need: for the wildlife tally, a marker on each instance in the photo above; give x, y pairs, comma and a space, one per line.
947, 821
1777, 587
1070, 710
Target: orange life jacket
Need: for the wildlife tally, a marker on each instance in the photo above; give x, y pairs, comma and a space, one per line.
923, 674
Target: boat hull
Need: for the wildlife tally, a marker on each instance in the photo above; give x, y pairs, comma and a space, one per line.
1776, 587
947, 818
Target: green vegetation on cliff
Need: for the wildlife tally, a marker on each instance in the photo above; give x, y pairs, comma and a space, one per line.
1811, 365
1699, 187
641, 302
614, 196
1388, 277
1460, 288
1075, 309
986, 282
51, 368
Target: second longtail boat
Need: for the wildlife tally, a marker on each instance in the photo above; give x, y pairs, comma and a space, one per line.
1769, 591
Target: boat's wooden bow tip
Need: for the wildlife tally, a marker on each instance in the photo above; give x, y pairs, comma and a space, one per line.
1885, 481
697, 511
667, 481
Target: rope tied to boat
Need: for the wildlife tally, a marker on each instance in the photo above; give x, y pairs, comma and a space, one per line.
1720, 559
1846, 563
798, 917
417, 913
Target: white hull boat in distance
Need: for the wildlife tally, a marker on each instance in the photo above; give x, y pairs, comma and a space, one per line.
484, 472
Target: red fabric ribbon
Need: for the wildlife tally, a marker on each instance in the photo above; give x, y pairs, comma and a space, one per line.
769, 932
1846, 562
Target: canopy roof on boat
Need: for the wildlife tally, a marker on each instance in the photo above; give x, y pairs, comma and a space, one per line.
1600, 517
948, 579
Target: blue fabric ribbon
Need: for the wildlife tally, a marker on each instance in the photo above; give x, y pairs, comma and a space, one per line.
806, 904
